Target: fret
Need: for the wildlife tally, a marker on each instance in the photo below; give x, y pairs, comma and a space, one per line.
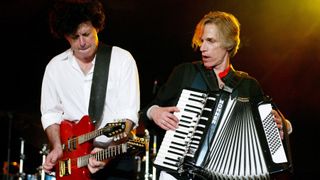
102, 155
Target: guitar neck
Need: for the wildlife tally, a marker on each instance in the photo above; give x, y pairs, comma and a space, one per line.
103, 155
89, 136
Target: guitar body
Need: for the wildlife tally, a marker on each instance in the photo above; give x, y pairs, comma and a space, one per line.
68, 130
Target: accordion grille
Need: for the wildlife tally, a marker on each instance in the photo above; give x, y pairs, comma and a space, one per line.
235, 151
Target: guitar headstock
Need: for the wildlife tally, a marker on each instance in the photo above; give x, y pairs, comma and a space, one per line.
113, 129
44, 150
136, 145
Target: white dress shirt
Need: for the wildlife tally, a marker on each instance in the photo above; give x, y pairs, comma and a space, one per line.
66, 90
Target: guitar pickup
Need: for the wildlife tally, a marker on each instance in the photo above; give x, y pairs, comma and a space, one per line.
64, 167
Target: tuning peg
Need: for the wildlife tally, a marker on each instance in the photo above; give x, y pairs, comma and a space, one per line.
115, 138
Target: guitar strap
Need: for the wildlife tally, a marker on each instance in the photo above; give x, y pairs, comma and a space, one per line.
99, 83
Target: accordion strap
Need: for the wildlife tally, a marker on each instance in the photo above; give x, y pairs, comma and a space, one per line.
99, 83
233, 79
208, 76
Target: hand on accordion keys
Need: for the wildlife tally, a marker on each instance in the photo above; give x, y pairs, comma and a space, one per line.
278, 121
281, 122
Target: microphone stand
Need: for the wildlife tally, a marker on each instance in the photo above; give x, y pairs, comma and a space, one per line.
9, 144
22, 157
44, 151
147, 155
154, 152
138, 160
147, 175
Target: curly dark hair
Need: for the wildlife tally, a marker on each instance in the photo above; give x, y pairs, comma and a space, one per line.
67, 15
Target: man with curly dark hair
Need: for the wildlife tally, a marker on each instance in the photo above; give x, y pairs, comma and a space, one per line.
68, 77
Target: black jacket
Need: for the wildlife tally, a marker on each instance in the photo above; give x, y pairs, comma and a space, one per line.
184, 76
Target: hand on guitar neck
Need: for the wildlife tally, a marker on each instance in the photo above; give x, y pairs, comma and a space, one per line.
100, 157
75, 168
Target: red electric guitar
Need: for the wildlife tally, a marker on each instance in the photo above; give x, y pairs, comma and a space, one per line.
77, 138
76, 168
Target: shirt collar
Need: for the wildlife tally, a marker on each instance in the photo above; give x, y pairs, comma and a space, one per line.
75, 64
225, 72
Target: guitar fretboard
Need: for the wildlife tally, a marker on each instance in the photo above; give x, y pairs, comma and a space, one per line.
90, 135
110, 130
102, 155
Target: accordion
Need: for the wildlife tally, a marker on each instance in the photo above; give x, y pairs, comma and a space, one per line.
227, 136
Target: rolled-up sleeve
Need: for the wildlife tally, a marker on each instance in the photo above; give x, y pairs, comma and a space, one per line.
129, 90
51, 108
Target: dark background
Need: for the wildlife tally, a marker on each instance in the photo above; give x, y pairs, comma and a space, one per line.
280, 47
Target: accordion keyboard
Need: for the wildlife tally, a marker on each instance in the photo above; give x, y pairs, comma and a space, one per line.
185, 140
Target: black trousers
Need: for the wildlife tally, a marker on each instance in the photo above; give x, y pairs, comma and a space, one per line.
119, 168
